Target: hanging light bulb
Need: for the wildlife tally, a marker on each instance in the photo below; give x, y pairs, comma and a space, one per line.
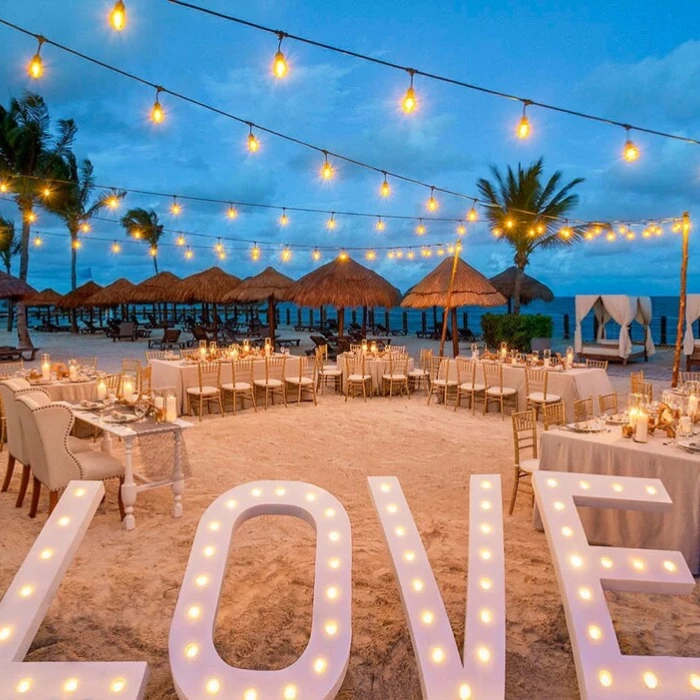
497, 232
157, 112
279, 66
327, 170
509, 223
30, 217
85, 227
180, 240
112, 202
117, 17
411, 254
175, 207
46, 192
428, 252
331, 223
231, 212
255, 252
391, 255
540, 228
677, 227
631, 235
253, 143
432, 203
409, 102
566, 231
4, 187
630, 152
472, 214
461, 229
218, 247
316, 255
116, 247
440, 251
221, 255
36, 65
286, 254
658, 230
380, 225
38, 241
611, 236
420, 229
589, 235
385, 189
343, 256
136, 233
189, 254
153, 251
450, 249
399, 253
284, 219
523, 130
370, 255
77, 244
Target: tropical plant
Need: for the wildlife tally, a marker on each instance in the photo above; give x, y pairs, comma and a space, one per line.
528, 213
28, 155
143, 225
9, 247
73, 202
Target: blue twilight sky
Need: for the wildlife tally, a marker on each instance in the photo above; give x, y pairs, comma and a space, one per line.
631, 61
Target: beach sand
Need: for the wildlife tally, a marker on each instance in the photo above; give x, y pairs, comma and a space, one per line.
118, 596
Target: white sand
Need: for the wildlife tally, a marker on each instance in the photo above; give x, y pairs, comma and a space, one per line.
118, 596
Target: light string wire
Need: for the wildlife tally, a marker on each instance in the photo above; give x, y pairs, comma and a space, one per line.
528, 102
325, 152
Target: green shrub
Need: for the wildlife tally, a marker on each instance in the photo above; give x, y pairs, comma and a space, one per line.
516, 330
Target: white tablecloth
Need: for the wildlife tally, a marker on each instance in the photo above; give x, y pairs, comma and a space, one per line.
375, 367
610, 453
73, 392
180, 376
579, 383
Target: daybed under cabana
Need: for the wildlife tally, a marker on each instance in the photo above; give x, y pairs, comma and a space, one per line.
623, 310
691, 344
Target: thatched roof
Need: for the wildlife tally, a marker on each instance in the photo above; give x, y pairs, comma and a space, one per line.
470, 288
116, 293
530, 288
160, 287
14, 288
48, 297
77, 297
343, 283
211, 286
269, 283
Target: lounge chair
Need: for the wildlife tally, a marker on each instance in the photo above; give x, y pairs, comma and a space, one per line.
126, 330
170, 339
12, 354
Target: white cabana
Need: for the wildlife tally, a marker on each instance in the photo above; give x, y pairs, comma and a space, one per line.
692, 314
623, 310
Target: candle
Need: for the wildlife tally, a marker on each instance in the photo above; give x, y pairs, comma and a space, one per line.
73, 373
641, 433
128, 391
202, 353
170, 408
235, 353
685, 426
692, 406
504, 351
158, 402
547, 361
101, 390
46, 371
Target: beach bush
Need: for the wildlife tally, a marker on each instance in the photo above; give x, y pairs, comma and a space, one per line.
517, 330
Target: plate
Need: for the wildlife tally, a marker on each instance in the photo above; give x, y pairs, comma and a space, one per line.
617, 419
89, 406
121, 419
689, 445
585, 427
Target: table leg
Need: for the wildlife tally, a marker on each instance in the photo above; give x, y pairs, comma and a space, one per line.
106, 442
178, 485
129, 485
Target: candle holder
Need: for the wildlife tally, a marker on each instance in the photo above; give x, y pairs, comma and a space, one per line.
504, 351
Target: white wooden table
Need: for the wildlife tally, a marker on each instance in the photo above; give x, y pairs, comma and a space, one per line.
127, 434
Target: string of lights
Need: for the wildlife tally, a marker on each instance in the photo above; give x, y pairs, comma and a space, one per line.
523, 129
327, 171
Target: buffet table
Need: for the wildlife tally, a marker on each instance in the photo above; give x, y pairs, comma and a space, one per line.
179, 375
609, 453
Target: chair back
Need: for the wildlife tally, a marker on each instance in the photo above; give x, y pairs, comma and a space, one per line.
493, 374
87, 362
466, 370
131, 367
171, 335
583, 409
242, 371
274, 368
154, 355
308, 368
684, 376
646, 389
11, 369
439, 368
355, 348
209, 374
398, 363
553, 414
9, 388
636, 381
608, 403
322, 352
354, 365
425, 357
145, 376
536, 380
399, 349
113, 383
597, 364
47, 429
524, 434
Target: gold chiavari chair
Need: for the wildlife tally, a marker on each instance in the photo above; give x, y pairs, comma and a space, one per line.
274, 379
636, 381
495, 390
608, 404
397, 375
306, 379
355, 347
554, 415
440, 382
241, 383
154, 355
467, 384
421, 374
131, 368
536, 381
684, 377
208, 389
524, 438
327, 372
398, 349
597, 364
356, 376
145, 386
583, 409
113, 382
11, 369
87, 362
646, 389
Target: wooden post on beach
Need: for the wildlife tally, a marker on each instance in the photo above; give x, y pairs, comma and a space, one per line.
685, 231
455, 340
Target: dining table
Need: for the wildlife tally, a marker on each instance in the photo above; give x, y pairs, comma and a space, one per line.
608, 452
569, 384
179, 375
375, 366
72, 391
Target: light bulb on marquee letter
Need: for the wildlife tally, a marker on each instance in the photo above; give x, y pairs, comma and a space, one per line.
320, 670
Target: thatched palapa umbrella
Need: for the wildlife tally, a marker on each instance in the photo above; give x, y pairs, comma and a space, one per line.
451, 284
112, 295
14, 288
78, 296
530, 289
157, 289
343, 282
209, 287
47, 298
269, 285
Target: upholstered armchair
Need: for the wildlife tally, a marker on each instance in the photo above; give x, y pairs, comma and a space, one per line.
47, 433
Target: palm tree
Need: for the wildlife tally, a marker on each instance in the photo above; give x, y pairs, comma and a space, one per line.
528, 214
28, 154
9, 247
73, 203
143, 225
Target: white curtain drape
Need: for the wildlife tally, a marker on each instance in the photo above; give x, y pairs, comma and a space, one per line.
692, 313
622, 309
583, 304
643, 316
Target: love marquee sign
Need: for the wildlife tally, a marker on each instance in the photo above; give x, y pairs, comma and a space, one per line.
583, 573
